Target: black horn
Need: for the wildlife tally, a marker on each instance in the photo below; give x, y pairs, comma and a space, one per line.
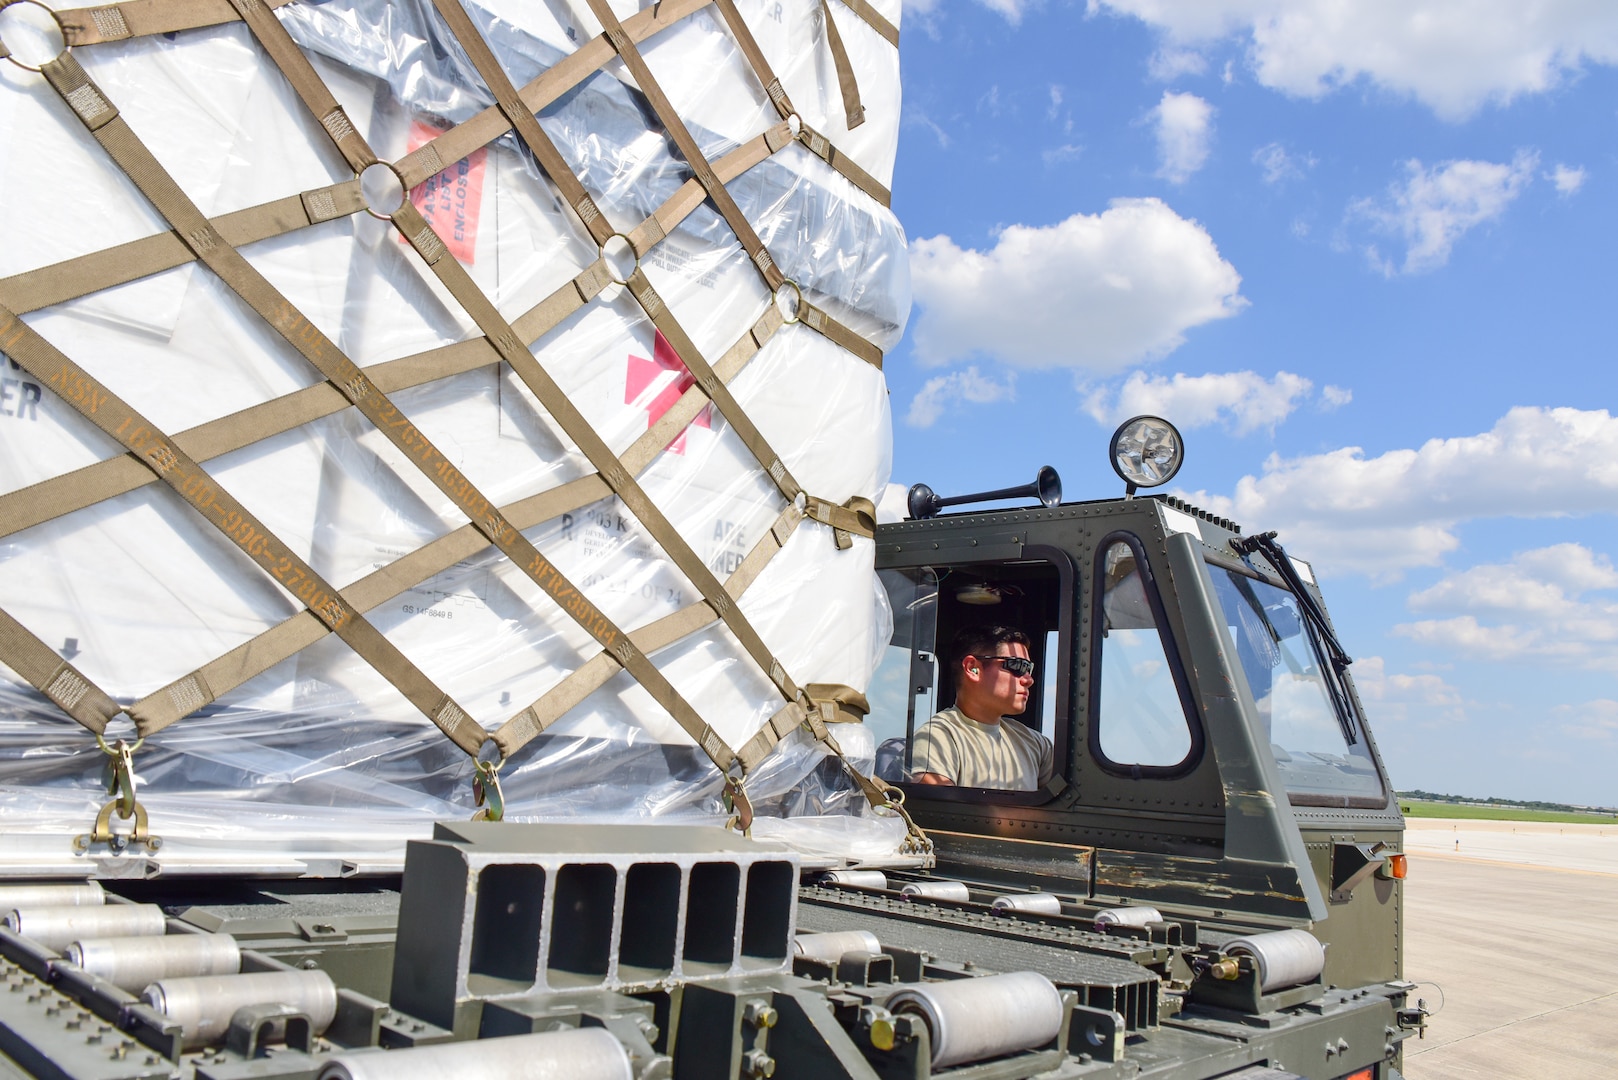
1047, 488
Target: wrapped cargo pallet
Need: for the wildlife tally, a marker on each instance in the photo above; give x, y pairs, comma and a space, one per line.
421, 406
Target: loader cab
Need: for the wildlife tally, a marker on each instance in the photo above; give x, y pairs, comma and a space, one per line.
1208, 756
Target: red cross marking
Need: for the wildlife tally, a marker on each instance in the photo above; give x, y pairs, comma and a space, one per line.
656, 384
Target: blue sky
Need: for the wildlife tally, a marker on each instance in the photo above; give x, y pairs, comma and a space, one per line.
1363, 256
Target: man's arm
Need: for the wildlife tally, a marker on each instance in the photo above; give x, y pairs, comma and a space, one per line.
1047, 759
932, 756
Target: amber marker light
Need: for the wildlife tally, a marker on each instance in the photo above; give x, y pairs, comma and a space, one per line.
1394, 867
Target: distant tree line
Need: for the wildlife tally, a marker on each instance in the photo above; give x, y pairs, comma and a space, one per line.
1468, 800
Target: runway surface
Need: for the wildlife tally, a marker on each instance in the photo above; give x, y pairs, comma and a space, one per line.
1513, 927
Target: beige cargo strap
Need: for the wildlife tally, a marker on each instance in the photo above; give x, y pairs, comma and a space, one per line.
825, 704
69, 280
853, 110
415, 228
224, 673
143, 18
711, 183
45, 670
646, 296
857, 518
71, 81
518, 115
202, 241
875, 19
157, 452
253, 657
543, 90
812, 140
629, 53
86, 274
532, 722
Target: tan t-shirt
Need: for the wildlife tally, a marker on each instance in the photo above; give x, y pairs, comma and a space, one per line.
1008, 755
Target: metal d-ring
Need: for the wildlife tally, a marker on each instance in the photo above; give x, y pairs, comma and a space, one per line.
797, 292
110, 751
404, 189
60, 28
603, 252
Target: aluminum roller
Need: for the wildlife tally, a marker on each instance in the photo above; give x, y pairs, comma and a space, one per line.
1039, 903
1127, 916
76, 894
203, 1005
830, 948
133, 963
938, 890
1283, 958
859, 879
990, 1016
580, 1054
56, 927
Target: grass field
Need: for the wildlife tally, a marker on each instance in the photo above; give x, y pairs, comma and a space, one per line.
1417, 808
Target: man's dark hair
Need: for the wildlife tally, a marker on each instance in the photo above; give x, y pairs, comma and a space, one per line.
982, 642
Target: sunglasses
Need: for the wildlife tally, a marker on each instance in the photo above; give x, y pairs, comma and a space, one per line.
1018, 666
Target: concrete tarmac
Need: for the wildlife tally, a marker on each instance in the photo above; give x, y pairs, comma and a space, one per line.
1514, 938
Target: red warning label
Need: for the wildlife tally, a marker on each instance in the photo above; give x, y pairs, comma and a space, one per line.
451, 200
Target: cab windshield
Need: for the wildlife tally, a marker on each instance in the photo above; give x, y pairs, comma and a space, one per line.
1316, 741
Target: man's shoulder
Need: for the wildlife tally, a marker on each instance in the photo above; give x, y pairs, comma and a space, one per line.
1026, 733
944, 724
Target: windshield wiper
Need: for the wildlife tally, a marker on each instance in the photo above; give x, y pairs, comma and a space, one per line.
1266, 545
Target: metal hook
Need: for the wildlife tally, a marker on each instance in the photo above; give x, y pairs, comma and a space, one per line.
486, 791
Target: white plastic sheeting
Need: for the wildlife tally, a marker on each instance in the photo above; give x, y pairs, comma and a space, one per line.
319, 755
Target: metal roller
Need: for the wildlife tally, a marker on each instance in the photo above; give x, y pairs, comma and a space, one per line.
1127, 916
580, 1054
203, 1005
831, 947
1283, 958
1039, 903
859, 879
133, 963
55, 927
938, 890
974, 1019
76, 894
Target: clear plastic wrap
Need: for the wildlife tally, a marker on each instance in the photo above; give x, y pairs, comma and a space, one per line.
317, 756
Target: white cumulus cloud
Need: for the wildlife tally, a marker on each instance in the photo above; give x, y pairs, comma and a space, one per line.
1398, 698
1244, 401
1097, 292
939, 395
1166, 65
1568, 180
1279, 165
1536, 607
1595, 720
1452, 55
1381, 515
1010, 10
1184, 124
1433, 208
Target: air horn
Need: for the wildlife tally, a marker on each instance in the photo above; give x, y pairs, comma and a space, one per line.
1047, 488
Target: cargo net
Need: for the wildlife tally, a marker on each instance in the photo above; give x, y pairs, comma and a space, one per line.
410, 406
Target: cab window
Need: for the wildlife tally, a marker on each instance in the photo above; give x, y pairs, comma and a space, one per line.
934, 607
1142, 725
1316, 740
